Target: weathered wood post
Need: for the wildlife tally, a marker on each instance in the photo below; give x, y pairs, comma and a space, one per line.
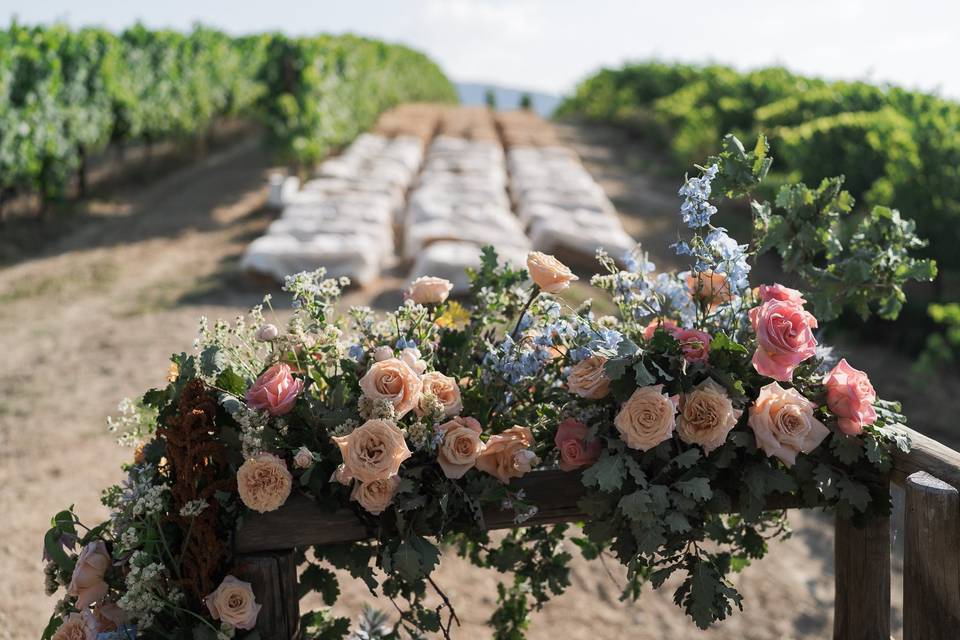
274, 579
931, 559
862, 573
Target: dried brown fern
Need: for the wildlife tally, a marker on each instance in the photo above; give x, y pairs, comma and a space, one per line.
197, 469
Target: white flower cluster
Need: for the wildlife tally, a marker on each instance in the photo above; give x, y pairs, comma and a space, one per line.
152, 501
133, 423
252, 424
193, 508
143, 598
345, 428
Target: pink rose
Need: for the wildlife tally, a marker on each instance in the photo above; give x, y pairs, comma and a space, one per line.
694, 343
87, 584
575, 451
783, 423
850, 397
769, 292
784, 338
275, 391
651, 328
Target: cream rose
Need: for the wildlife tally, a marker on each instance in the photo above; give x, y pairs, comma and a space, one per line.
233, 602
394, 380
783, 423
706, 416
87, 584
587, 378
375, 496
507, 454
548, 273
303, 458
264, 482
77, 627
647, 418
445, 389
373, 451
461, 446
430, 290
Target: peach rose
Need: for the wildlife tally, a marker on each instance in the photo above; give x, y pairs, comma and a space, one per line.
587, 378
303, 458
87, 584
652, 326
77, 627
507, 454
233, 602
647, 418
375, 496
575, 451
767, 292
783, 423
709, 287
445, 389
548, 273
694, 343
264, 482
461, 446
393, 379
706, 416
430, 290
784, 338
373, 451
850, 397
275, 391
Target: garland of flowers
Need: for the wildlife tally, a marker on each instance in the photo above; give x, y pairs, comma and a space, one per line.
683, 412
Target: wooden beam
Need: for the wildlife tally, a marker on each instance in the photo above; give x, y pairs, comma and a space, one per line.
273, 577
931, 559
926, 454
302, 522
861, 609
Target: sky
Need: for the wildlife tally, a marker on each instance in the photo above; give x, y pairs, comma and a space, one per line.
549, 45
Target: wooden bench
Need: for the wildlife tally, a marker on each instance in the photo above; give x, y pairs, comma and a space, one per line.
929, 475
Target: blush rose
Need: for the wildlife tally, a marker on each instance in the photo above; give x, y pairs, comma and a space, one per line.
850, 397
373, 451
783, 423
233, 603
647, 418
706, 416
430, 290
445, 389
275, 391
375, 496
87, 584
461, 446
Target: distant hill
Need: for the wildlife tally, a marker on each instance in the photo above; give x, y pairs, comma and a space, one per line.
474, 93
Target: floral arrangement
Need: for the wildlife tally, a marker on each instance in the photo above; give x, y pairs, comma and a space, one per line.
683, 410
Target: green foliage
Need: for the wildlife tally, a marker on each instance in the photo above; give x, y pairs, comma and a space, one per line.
942, 349
65, 95
854, 261
894, 147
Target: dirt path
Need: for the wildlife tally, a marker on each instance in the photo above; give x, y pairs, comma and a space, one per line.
94, 320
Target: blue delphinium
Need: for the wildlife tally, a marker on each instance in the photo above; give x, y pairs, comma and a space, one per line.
696, 209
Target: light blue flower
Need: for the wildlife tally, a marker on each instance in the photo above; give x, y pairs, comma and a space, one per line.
355, 352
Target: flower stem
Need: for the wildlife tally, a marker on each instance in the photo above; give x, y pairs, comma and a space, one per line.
533, 295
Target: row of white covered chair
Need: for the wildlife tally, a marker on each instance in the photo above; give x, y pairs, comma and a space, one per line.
562, 208
344, 218
460, 204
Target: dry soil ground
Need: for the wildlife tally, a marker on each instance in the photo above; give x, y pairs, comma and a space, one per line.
93, 316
